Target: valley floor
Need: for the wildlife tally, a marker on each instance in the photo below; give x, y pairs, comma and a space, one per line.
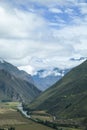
9, 116
60, 124
49, 120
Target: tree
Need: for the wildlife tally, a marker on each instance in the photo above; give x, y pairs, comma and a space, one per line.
11, 128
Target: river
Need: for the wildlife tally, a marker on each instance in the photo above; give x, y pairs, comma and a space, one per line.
20, 108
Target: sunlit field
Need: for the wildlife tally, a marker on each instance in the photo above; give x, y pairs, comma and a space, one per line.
11, 117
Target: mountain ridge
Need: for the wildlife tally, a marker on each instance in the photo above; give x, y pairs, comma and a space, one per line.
15, 71
16, 85
44, 78
65, 98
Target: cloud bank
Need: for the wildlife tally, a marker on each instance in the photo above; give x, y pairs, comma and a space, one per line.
37, 34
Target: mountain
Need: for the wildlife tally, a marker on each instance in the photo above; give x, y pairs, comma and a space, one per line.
45, 78
68, 97
15, 71
16, 85
79, 59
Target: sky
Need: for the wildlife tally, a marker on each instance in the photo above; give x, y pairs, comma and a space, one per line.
37, 34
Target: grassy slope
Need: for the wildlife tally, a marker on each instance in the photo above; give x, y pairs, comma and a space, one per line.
15, 71
12, 88
68, 97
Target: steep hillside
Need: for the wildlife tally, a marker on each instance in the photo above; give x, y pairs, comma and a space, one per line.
16, 89
68, 97
15, 71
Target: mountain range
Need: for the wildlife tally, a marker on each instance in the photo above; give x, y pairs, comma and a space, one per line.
45, 78
78, 59
16, 85
67, 98
15, 71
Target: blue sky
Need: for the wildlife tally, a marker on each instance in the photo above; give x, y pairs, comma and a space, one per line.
38, 34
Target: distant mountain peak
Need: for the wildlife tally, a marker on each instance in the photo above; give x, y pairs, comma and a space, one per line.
16, 85
45, 78
15, 71
1, 60
43, 73
67, 98
78, 59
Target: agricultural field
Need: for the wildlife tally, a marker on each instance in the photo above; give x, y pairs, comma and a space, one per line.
42, 115
9, 116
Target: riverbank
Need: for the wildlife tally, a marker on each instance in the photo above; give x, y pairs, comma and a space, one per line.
20, 108
41, 117
11, 117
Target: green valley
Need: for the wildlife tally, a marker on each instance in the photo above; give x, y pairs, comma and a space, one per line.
10, 117
67, 99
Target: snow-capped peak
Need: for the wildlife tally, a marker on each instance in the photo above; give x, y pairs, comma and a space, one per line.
51, 72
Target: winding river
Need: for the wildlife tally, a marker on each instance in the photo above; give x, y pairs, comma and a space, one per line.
20, 108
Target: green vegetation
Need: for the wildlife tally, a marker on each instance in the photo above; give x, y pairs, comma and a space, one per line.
11, 119
68, 97
51, 121
11, 128
66, 100
16, 89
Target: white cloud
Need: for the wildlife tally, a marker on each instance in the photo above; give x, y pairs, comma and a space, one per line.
32, 41
55, 10
29, 69
19, 24
83, 8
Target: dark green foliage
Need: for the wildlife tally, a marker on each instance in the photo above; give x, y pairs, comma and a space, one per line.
84, 123
68, 97
47, 123
11, 128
